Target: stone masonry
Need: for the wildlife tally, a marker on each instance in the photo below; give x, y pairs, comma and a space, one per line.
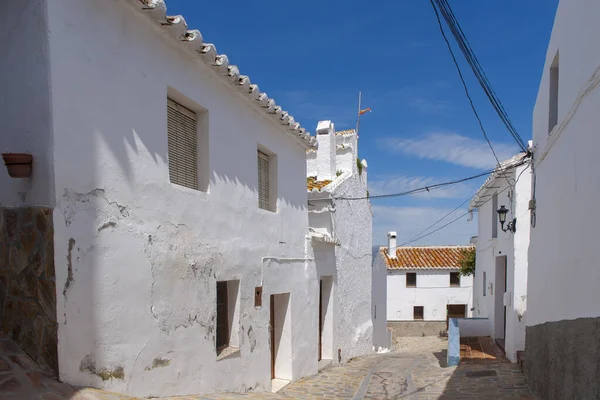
27, 282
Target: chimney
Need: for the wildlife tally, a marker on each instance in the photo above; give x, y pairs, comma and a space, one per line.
326, 151
392, 244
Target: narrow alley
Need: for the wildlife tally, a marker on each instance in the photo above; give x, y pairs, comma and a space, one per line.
416, 370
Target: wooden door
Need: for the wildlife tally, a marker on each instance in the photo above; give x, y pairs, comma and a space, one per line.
320, 320
272, 332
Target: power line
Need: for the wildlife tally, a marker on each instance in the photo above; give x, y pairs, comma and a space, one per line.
426, 188
437, 15
417, 237
438, 221
476, 67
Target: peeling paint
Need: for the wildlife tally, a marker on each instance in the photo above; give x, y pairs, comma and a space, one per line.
70, 278
158, 363
108, 224
251, 339
89, 365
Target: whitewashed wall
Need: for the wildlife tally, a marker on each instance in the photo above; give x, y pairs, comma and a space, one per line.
137, 258
514, 247
433, 292
25, 111
349, 264
381, 333
564, 247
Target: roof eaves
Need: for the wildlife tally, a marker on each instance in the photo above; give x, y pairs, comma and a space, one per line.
192, 40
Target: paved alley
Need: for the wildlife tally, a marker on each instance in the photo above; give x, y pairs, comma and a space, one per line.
415, 371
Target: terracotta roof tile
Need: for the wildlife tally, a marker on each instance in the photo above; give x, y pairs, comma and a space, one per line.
345, 132
312, 183
425, 257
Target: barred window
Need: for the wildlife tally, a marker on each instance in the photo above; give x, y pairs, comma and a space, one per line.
183, 145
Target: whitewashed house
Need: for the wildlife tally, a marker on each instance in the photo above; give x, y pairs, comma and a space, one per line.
424, 287
563, 300
167, 204
340, 230
500, 282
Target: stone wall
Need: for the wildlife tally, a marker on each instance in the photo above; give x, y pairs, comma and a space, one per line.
563, 359
27, 282
416, 328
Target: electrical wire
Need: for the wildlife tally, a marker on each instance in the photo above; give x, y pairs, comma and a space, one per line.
417, 237
425, 188
471, 58
462, 79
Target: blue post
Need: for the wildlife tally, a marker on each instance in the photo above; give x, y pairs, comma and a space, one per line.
453, 343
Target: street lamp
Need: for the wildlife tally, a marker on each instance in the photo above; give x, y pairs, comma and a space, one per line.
511, 226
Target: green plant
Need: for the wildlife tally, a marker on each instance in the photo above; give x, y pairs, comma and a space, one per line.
467, 262
367, 193
359, 166
339, 172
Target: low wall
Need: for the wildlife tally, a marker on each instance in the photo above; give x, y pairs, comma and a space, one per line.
27, 282
563, 359
416, 328
474, 327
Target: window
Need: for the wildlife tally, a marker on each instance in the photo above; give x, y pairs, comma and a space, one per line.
227, 315
454, 279
267, 169
183, 145
495, 215
411, 279
418, 312
484, 283
553, 96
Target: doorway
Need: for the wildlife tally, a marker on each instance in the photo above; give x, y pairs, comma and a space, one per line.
500, 308
325, 318
281, 337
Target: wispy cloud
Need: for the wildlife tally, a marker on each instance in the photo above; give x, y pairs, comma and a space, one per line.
452, 148
386, 184
408, 221
429, 106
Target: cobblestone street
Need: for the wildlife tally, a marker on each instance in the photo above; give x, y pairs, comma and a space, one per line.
415, 370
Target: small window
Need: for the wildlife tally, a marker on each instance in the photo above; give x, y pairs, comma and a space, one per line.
267, 169
418, 313
183, 145
484, 283
411, 279
227, 315
454, 279
553, 95
495, 215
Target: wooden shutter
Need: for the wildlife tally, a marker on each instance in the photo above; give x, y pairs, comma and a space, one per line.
183, 145
263, 181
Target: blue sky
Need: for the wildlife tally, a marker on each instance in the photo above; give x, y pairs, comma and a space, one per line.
313, 57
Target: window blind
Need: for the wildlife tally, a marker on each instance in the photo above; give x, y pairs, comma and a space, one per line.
263, 181
183, 145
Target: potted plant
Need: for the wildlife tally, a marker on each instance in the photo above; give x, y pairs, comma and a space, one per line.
18, 164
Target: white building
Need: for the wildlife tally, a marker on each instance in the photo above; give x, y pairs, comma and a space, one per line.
424, 287
178, 196
500, 282
341, 234
563, 307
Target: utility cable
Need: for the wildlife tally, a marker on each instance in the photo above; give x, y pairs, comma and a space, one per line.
471, 58
437, 15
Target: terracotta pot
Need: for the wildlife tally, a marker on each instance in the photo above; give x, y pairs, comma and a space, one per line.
18, 164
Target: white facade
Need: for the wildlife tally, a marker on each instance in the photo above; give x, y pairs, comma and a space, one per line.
432, 290
563, 298
341, 231
433, 293
138, 258
564, 248
501, 257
